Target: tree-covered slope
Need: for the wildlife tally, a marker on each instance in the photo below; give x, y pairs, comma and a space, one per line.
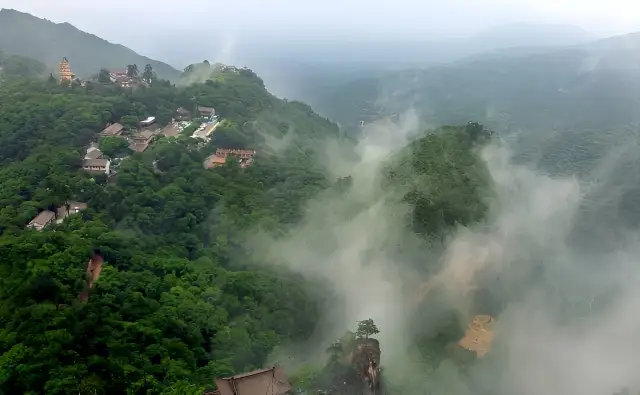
442, 178
16, 66
178, 301
48, 42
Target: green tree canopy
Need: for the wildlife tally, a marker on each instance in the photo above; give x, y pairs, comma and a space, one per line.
112, 146
148, 74
180, 299
366, 329
132, 70
103, 76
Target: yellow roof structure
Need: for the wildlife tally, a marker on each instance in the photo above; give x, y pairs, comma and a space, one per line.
65, 72
479, 335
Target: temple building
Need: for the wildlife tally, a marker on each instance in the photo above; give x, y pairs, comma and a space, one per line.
479, 335
245, 157
65, 72
271, 381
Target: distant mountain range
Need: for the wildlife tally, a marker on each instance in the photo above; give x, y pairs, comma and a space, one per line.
298, 67
262, 49
595, 85
290, 68
573, 110
48, 42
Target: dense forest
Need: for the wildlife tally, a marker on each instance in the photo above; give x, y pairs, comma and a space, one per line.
174, 273
175, 286
16, 66
179, 300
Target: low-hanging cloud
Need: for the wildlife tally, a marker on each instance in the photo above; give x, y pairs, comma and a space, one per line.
567, 320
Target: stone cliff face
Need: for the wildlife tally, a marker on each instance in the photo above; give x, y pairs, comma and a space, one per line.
365, 360
364, 350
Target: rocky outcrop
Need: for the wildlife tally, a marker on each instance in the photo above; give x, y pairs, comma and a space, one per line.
365, 360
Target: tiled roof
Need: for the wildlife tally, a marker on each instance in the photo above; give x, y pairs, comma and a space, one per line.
43, 218
95, 162
112, 129
214, 160
171, 130
138, 147
145, 134
93, 154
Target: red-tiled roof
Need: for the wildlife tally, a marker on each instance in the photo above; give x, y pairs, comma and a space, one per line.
243, 153
214, 160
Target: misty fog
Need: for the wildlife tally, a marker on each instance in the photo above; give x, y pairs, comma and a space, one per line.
569, 301
559, 246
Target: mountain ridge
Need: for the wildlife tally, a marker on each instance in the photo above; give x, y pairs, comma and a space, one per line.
41, 39
491, 88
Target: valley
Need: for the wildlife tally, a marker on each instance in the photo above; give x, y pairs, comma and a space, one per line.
460, 218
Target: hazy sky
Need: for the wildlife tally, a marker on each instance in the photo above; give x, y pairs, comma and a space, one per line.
135, 22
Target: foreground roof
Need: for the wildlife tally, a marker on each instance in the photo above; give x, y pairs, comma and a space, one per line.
271, 381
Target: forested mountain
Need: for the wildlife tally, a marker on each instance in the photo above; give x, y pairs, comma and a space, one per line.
563, 108
180, 299
26, 35
594, 85
175, 285
300, 68
173, 272
183, 296
268, 51
12, 66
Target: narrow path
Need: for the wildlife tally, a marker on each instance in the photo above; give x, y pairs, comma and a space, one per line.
94, 266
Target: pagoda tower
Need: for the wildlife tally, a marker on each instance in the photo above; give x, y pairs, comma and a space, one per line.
65, 72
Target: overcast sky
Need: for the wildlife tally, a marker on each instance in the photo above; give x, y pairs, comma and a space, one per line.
151, 26
370, 17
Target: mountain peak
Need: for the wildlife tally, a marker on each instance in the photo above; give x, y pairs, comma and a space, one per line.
46, 41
